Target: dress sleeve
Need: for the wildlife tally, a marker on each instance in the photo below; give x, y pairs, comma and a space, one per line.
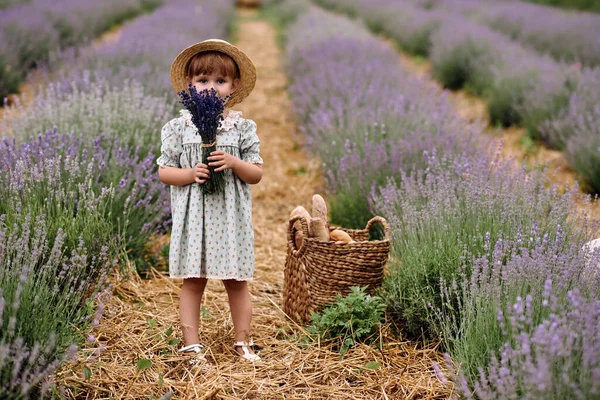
171, 145
250, 143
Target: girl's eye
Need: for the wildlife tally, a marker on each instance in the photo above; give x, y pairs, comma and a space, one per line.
221, 81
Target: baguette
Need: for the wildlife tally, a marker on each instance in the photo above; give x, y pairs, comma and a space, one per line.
319, 209
301, 211
319, 230
338, 235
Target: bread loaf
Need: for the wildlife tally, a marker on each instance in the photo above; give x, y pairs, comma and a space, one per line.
319, 208
318, 230
301, 211
338, 235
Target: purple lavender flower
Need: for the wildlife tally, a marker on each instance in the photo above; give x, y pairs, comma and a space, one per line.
206, 108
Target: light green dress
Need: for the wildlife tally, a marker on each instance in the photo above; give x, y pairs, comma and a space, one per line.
212, 235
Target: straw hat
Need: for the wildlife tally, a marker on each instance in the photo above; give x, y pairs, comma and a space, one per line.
247, 69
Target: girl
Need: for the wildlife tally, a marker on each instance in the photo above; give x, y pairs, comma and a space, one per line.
212, 235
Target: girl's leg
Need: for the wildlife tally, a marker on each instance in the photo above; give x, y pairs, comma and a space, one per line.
241, 309
189, 308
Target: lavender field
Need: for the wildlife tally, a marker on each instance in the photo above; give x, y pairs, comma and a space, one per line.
81, 193
487, 258
488, 261
536, 66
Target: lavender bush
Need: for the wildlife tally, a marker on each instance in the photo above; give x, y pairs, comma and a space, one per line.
90, 107
404, 21
462, 55
147, 46
445, 210
25, 40
577, 111
566, 36
544, 344
10, 3
368, 130
521, 87
98, 190
32, 30
583, 152
38, 182
487, 63
44, 291
466, 54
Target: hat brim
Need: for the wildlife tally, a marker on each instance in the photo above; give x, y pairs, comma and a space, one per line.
245, 65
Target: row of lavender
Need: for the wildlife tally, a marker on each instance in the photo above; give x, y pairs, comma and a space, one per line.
31, 31
10, 3
80, 189
566, 36
485, 257
557, 103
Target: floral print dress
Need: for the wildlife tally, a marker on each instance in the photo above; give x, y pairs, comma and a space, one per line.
212, 235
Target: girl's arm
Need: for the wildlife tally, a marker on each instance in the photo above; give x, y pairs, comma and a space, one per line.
183, 176
247, 172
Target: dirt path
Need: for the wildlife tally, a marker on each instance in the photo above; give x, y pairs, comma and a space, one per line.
141, 320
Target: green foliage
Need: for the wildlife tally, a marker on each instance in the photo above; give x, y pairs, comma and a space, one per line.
349, 320
143, 364
350, 209
505, 100
445, 221
528, 144
10, 78
464, 65
11, 3
584, 157
283, 13
419, 43
587, 5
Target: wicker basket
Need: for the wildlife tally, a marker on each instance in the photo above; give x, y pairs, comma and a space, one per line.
318, 270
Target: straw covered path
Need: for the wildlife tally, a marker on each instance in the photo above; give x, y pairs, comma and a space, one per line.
141, 319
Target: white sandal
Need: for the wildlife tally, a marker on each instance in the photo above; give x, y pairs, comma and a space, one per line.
247, 355
194, 348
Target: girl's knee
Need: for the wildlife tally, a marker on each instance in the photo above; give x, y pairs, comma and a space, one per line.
232, 284
195, 283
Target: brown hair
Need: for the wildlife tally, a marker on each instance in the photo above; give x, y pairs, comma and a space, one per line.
209, 62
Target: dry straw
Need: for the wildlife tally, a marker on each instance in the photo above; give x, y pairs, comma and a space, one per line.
142, 311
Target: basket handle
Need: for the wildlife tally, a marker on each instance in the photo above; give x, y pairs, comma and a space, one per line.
290, 235
383, 222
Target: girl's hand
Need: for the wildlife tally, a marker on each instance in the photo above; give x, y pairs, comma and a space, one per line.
201, 173
222, 160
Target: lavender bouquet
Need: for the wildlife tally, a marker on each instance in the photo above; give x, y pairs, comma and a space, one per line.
206, 108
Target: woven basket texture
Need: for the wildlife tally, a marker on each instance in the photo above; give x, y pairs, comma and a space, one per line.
317, 271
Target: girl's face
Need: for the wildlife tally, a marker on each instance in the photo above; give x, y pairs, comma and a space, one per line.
223, 85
